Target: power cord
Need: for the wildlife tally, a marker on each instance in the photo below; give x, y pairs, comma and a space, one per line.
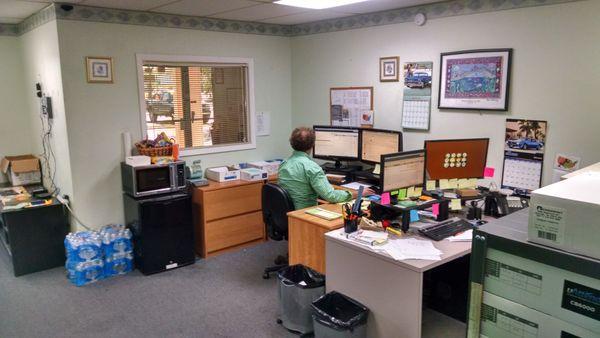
65, 202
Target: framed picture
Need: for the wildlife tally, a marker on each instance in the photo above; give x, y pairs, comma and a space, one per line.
388, 69
475, 79
99, 69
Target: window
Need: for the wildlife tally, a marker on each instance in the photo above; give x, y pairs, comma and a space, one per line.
205, 104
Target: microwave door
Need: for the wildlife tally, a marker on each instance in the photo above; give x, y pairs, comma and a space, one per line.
153, 180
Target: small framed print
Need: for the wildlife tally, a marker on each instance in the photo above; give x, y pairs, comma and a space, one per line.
388, 69
99, 69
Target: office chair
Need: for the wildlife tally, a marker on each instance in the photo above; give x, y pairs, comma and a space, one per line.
276, 203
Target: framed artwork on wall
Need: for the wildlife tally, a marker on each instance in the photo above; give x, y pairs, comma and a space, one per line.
99, 69
388, 69
475, 79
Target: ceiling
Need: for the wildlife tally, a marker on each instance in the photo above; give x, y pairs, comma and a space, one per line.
14, 11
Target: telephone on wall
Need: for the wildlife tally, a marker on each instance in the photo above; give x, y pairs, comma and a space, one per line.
498, 205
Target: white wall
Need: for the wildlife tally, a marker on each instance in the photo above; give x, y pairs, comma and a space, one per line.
41, 63
97, 114
555, 77
15, 132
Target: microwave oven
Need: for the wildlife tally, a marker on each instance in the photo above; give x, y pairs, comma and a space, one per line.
155, 179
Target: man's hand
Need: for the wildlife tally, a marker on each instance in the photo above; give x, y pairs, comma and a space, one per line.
366, 192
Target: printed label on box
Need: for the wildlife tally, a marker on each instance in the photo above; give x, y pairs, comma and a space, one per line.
512, 324
581, 299
549, 222
513, 276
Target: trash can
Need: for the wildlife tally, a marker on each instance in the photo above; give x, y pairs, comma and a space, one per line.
299, 286
339, 316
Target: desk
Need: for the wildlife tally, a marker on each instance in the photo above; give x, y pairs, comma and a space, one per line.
306, 236
391, 289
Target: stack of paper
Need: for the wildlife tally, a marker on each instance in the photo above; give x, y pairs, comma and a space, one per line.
355, 185
411, 248
462, 237
369, 237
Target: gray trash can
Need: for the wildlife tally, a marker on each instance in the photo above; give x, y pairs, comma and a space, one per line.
299, 286
339, 316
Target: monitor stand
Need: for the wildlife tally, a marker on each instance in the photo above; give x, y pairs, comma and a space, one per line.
337, 167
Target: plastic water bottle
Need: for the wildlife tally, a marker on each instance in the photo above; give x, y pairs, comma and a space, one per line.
83, 246
87, 272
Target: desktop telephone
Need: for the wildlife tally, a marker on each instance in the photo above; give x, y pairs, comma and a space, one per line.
498, 205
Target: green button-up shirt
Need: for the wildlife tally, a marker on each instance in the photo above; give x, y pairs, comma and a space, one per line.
304, 180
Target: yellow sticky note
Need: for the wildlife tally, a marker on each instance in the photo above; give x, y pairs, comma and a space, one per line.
401, 194
410, 192
418, 191
394, 192
377, 169
453, 183
444, 184
430, 185
463, 183
472, 183
455, 204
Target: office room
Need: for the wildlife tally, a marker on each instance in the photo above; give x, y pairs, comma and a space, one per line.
313, 168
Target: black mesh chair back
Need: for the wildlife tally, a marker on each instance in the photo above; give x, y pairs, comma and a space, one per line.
276, 203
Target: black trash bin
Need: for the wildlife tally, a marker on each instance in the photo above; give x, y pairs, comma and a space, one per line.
339, 316
299, 286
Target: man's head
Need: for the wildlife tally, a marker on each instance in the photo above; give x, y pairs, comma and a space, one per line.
302, 139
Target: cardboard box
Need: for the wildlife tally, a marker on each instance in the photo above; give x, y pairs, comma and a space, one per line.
594, 168
566, 215
502, 318
222, 174
253, 174
22, 170
544, 288
271, 167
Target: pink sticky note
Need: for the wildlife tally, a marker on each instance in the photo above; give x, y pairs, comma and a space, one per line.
488, 172
385, 198
435, 209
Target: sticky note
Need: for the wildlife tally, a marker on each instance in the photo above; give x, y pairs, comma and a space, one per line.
377, 169
410, 192
418, 191
385, 198
488, 172
435, 209
444, 184
463, 183
401, 194
453, 183
455, 204
430, 185
414, 215
472, 183
394, 192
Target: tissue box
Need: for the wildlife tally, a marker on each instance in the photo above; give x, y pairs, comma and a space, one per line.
253, 174
271, 167
565, 215
222, 174
137, 161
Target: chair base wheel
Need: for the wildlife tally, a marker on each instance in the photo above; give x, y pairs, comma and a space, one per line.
266, 275
279, 321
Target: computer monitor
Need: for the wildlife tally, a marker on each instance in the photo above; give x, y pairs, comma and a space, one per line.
376, 142
336, 143
448, 159
402, 170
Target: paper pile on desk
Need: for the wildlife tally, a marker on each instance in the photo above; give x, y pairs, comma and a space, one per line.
355, 185
462, 237
411, 248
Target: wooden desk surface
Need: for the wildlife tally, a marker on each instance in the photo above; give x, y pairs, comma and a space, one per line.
323, 223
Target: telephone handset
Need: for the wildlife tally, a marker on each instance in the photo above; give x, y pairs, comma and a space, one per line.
499, 205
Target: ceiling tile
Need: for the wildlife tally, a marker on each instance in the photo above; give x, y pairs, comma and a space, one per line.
19, 9
126, 4
203, 7
310, 16
10, 20
260, 12
380, 5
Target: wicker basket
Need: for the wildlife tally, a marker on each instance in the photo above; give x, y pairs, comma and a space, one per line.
158, 151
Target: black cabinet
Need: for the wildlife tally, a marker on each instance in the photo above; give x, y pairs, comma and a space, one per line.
163, 232
34, 237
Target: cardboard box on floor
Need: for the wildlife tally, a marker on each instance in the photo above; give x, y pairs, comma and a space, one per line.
22, 169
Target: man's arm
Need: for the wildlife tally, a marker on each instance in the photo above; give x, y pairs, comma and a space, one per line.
320, 184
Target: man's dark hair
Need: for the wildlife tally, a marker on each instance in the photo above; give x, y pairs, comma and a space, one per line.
302, 139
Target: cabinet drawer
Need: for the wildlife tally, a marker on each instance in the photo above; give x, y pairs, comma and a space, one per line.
232, 201
233, 231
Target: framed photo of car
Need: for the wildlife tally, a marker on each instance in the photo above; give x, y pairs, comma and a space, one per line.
475, 79
388, 69
99, 69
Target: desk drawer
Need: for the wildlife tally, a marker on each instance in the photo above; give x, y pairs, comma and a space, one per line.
233, 231
233, 201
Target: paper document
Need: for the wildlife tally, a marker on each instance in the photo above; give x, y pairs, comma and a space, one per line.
355, 185
411, 248
322, 213
462, 237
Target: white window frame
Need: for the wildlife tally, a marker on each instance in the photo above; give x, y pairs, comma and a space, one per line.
141, 59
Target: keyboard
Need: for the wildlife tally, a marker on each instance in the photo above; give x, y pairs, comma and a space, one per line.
445, 229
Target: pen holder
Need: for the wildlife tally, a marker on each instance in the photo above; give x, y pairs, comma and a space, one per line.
351, 225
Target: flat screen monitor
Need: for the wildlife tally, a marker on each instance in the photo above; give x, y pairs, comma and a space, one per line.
402, 170
377, 142
447, 159
336, 143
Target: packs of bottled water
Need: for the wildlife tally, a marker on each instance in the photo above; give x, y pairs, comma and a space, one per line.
83, 273
118, 266
116, 241
83, 246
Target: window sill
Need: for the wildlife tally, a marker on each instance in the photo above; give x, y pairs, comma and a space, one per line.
216, 149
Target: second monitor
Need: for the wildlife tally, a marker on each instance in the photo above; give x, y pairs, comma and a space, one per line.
402, 170
377, 142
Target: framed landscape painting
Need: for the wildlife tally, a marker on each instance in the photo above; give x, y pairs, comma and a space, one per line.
475, 79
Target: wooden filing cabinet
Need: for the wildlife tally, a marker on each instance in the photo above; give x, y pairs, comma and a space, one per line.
228, 216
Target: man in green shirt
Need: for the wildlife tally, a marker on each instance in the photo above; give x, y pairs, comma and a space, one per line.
303, 179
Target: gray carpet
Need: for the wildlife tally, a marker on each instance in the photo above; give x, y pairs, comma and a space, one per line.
224, 296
